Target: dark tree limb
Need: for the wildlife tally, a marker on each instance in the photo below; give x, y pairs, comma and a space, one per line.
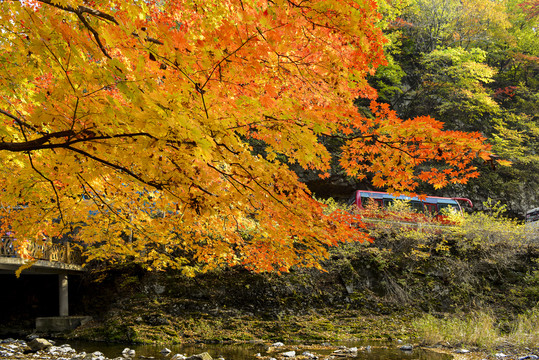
71, 137
58, 205
19, 121
81, 10
156, 185
96, 35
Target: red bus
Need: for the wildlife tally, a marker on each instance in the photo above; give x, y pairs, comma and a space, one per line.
431, 204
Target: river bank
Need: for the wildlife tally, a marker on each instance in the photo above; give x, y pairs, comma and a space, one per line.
43, 349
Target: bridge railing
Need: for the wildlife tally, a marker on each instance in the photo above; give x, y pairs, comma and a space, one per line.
48, 251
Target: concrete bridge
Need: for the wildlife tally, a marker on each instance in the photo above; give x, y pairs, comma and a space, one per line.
45, 258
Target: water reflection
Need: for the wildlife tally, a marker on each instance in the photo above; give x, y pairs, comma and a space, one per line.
378, 351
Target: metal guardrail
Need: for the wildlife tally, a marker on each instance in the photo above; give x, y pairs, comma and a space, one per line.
48, 251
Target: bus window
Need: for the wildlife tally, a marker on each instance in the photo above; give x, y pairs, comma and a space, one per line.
431, 208
388, 202
450, 207
417, 206
366, 201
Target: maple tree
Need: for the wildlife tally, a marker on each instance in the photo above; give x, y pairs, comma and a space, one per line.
127, 125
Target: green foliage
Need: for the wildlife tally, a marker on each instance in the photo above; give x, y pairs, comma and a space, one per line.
446, 23
472, 65
432, 22
391, 10
453, 88
331, 205
517, 136
388, 80
523, 29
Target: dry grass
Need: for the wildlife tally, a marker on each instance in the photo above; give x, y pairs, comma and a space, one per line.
525, 332
475, 329
478, 329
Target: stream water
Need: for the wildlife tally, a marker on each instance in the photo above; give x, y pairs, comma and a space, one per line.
377, 351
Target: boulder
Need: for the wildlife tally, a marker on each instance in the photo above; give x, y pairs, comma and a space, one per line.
203, 356
60, 350
6, 354
128, 353
39, 344
96, 355
79, 356
289, 354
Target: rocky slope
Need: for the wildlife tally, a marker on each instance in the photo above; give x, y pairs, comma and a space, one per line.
366, 291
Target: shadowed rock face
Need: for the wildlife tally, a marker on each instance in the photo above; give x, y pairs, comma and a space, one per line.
59, 324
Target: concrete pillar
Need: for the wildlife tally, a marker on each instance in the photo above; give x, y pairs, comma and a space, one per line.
63, 295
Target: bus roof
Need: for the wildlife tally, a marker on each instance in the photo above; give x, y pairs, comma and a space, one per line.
428, 199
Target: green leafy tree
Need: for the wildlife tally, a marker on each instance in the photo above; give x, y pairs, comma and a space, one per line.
474, 65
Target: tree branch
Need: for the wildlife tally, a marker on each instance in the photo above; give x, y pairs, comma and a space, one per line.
53, 187
17, 120
96, 35
153, 184
73, 137
81, 10
179, 168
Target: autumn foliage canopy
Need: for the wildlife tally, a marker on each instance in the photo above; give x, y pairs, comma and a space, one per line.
129, 125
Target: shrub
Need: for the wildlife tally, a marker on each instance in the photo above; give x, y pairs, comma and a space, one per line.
492, 227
